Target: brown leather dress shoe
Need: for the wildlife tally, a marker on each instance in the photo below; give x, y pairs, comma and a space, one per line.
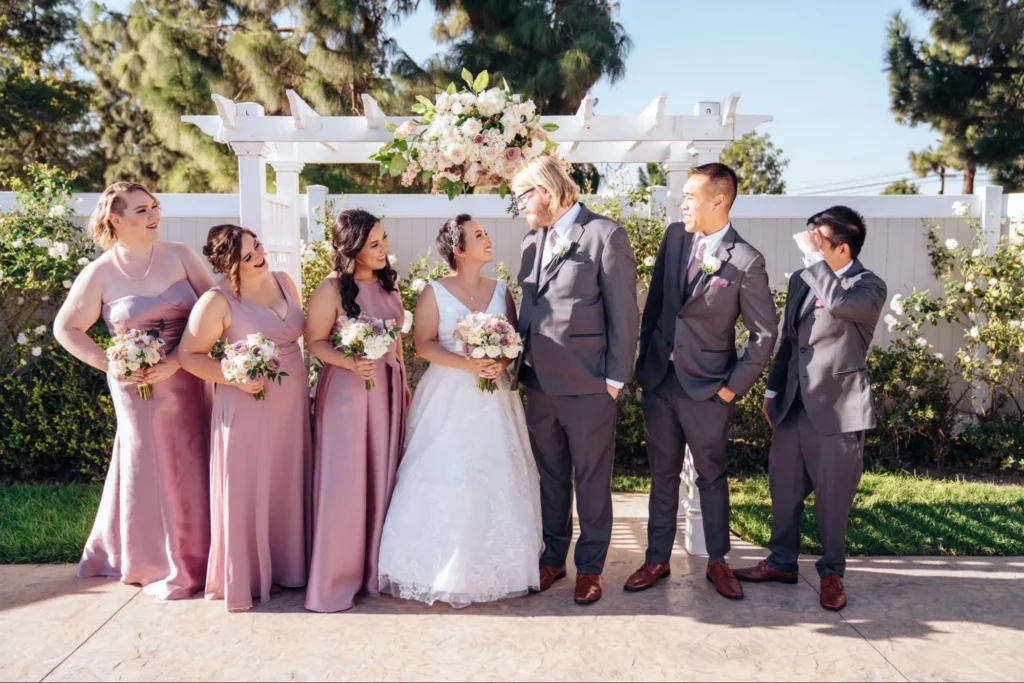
647, 576
833, 595
765, 572
548, 575
588, 589
725, 581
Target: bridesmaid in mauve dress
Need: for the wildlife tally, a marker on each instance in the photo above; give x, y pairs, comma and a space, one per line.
261, 470
358, 433
153, 524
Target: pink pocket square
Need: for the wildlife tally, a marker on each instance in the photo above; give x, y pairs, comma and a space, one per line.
719, 282
818, 304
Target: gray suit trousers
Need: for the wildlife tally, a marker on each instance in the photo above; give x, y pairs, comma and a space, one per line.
802, 460
573, 440
673, 421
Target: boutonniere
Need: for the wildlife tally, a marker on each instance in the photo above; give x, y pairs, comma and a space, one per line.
562, 245
711, 264
718, 282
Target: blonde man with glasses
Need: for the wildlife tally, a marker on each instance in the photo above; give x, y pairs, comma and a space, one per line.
579, 321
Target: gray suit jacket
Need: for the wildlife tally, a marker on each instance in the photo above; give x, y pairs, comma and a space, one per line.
700, 329
579, 314
823, 348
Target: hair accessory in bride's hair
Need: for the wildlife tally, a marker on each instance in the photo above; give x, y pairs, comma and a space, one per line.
453, 232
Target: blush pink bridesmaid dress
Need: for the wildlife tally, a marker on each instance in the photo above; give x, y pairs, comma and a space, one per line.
261, 471
358, 437
153, 524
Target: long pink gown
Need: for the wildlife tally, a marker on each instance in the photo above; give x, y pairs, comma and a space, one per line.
153, 523
358, 436
261, 469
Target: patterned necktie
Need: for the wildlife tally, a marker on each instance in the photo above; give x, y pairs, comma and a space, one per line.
698, 258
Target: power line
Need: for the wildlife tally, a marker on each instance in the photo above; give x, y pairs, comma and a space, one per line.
883, 183
848, 181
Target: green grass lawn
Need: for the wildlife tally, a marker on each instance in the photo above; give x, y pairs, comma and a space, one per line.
894, 514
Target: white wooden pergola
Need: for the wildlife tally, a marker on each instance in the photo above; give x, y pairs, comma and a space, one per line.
288, 142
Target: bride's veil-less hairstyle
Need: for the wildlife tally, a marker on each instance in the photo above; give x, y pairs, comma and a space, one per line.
452, 236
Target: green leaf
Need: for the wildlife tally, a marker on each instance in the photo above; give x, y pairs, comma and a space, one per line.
402, 145
428, 117
550, 127
468, 77
390, 126
418, 109
481, 81
451, 89
425, 176
383, 168
425, 102
502, 190
398, 165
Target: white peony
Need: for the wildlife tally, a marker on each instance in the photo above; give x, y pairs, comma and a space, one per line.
649, 261
493, 351
22, 339
468, 99
456, 152
42, 242
513, 350
952, 244
472, 127
961, 209
37, 351
442, 102
458, 108
418, 285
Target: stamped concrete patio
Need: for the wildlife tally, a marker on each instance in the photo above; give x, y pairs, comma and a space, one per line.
908, 619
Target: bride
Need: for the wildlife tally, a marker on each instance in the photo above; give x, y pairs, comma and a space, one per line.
464, 523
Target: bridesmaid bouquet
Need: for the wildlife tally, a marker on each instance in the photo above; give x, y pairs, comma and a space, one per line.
487, 335
364, 337
249, 359
132, 351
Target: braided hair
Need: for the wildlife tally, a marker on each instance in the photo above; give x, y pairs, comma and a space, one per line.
349, 233
223, 249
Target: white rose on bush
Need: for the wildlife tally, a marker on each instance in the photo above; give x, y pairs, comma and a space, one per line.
952, 244
961, 209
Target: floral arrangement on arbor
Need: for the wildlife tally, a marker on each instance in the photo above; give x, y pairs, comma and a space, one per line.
476, 137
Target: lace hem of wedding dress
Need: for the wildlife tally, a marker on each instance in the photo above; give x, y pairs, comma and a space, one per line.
428, 595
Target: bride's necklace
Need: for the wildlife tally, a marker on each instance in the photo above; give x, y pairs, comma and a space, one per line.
117, 262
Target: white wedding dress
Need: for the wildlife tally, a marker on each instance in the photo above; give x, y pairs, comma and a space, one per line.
464, 523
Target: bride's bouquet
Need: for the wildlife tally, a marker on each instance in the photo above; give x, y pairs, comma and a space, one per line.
364, 337
248, 359
132, 351
487, 335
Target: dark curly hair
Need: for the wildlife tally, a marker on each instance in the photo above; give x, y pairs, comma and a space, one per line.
349, 233
223, 249
451, 235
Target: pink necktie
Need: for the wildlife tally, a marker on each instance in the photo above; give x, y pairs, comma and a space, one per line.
698, 259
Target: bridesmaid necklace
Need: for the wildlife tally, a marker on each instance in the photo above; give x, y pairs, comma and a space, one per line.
117, 262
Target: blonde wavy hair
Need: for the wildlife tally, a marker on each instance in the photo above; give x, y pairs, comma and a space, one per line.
551, 173
112, 202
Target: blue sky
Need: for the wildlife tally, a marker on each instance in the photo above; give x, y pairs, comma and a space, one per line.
817, 67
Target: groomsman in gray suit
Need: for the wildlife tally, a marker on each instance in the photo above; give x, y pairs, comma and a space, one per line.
579, 320
705, 277
819, 399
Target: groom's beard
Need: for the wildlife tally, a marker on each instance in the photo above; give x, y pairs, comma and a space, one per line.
536, 221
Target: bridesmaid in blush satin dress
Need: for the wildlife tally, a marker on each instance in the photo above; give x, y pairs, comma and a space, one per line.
153, 525
358, 433
261, 452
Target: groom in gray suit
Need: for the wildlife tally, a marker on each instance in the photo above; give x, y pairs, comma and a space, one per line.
819, 399
705, 277
579, 320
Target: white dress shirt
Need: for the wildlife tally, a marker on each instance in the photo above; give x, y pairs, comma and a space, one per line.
809, 260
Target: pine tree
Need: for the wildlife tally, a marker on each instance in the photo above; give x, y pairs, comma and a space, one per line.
43, 106
966, 81
901, 186
161, 59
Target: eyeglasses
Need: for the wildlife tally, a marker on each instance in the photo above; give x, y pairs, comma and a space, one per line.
521, 199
